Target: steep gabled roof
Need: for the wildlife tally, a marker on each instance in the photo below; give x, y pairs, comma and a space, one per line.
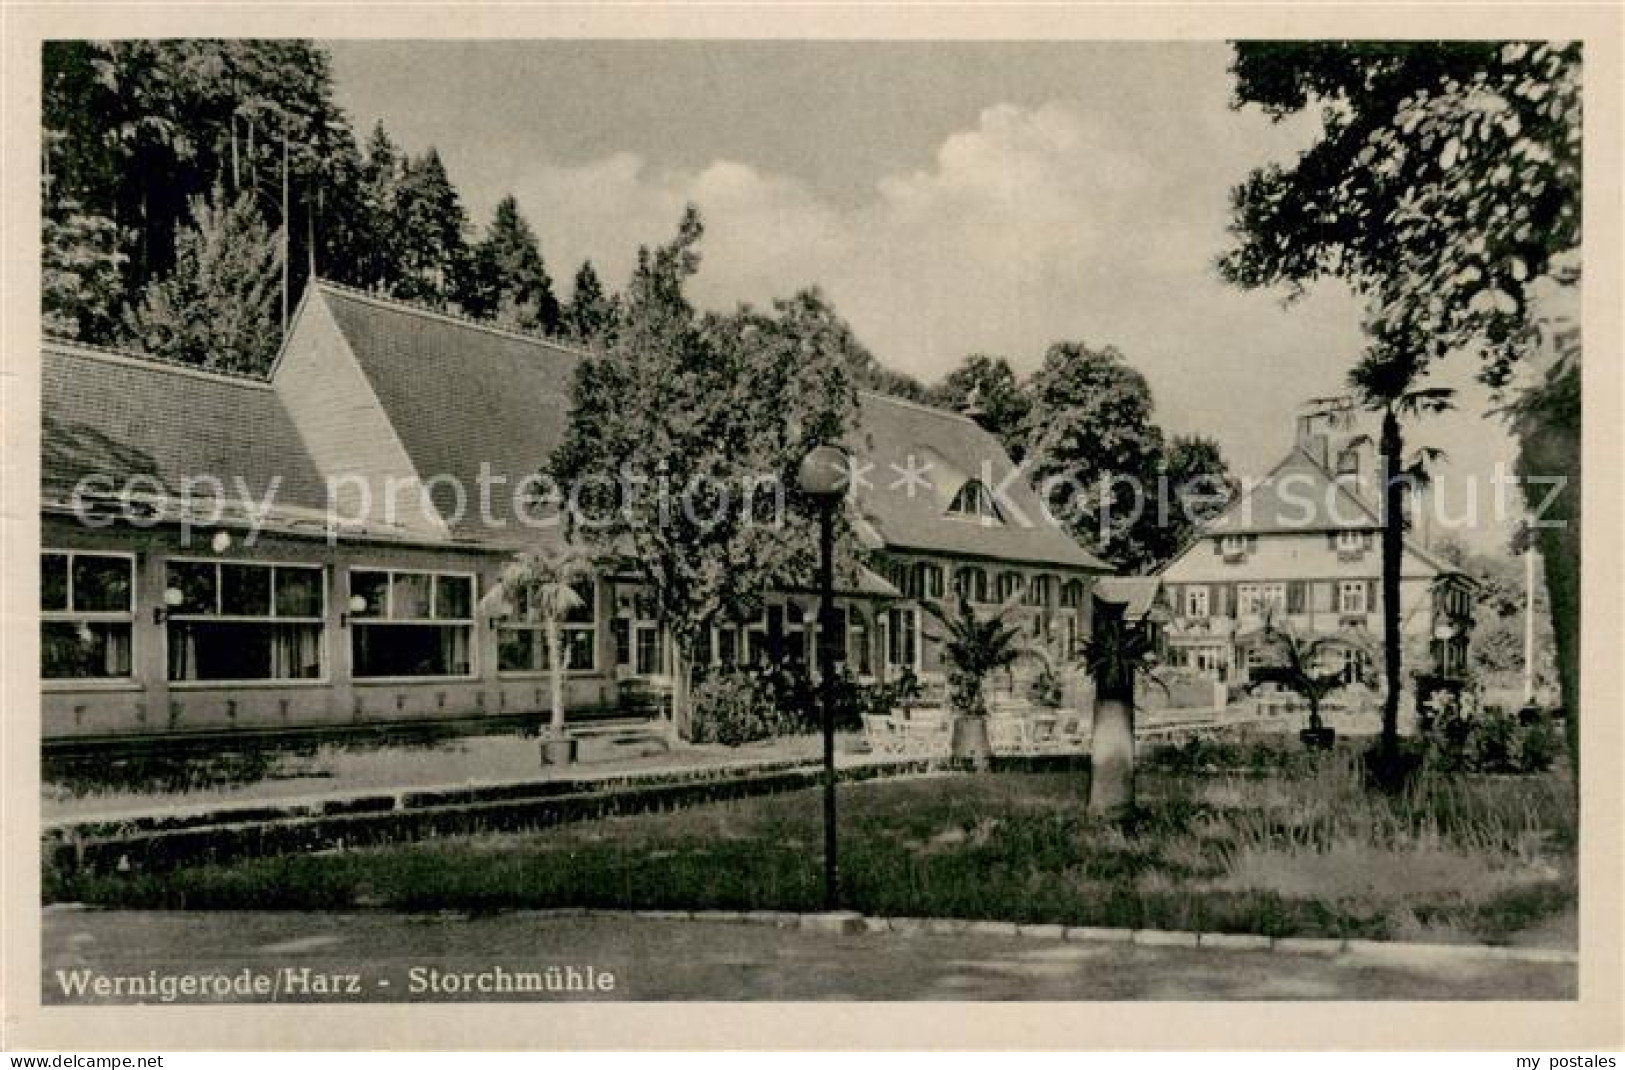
459, 394
946, 450
118, 416
1298, 495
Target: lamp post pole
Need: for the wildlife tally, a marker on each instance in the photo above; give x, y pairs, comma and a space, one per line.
826, 677
822, 477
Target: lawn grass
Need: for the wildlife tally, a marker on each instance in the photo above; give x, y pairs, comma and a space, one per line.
1304, 851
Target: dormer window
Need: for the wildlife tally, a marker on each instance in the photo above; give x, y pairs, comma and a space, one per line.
1233, 545
1348, 462
1350, 542
975, 501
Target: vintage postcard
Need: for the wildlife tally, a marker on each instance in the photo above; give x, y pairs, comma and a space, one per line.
1021, 522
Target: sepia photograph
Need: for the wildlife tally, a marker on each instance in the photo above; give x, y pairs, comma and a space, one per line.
542, 520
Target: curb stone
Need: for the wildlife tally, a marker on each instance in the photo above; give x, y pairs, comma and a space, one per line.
851, 922
992, 928
1042, 932
837, 923
1308, 945
847, 922
1234, 941
1163, 938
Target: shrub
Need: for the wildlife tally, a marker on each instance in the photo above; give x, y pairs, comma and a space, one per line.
732, 708
1464, 736
743, 705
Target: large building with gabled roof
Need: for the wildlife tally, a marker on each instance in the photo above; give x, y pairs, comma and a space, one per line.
225, 554
1301, 548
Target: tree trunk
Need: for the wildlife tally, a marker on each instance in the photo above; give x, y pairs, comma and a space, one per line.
1393, 535
1111, 754
1552, 449
555, 677
682, 715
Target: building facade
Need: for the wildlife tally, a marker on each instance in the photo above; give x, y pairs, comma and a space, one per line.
226, 554
1302, 549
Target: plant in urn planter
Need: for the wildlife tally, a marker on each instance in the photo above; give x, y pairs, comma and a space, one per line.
541, 587
974, 647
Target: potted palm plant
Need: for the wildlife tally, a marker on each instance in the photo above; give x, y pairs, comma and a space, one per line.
974, 647
1297, 669
1118, 654
541, 586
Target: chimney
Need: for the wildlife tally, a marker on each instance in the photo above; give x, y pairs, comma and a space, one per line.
1314, 441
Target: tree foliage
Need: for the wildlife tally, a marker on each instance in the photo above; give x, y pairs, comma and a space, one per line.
1196, 487
712, 414
218, 307
1096, 451
135, 130
1445, 187
988, 387
1445, 183
510, 282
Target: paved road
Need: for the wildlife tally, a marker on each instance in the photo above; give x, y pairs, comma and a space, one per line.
315, 957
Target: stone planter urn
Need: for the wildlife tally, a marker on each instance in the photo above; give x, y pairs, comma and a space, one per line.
968, 740
558, 749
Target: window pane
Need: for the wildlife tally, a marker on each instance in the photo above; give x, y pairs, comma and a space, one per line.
578, 649
410, 650
518, 650
372, 587
410, 594
101, 584
298, 592
53, 582
84, 651
195, 580
244, 650
245, 590
454, 598
620, 629
583, 613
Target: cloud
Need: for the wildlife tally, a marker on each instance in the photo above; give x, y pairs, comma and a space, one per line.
1034, 225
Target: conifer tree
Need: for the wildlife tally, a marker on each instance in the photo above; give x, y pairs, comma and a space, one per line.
219, 306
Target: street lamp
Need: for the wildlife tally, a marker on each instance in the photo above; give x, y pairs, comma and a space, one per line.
822, 476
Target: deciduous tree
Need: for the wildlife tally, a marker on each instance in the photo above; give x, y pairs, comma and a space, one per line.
1445, 187
701, 422
1095, 451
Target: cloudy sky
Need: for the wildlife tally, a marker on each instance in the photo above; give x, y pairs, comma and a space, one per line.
949, 197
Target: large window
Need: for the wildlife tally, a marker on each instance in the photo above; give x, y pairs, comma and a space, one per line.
87, 613
1038, 592
927, 580
1196, 601
902, 638
1010, 585
1351, 596
970, 583
522, 642
1072, 594
1255, 599
413, 623
235, 621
